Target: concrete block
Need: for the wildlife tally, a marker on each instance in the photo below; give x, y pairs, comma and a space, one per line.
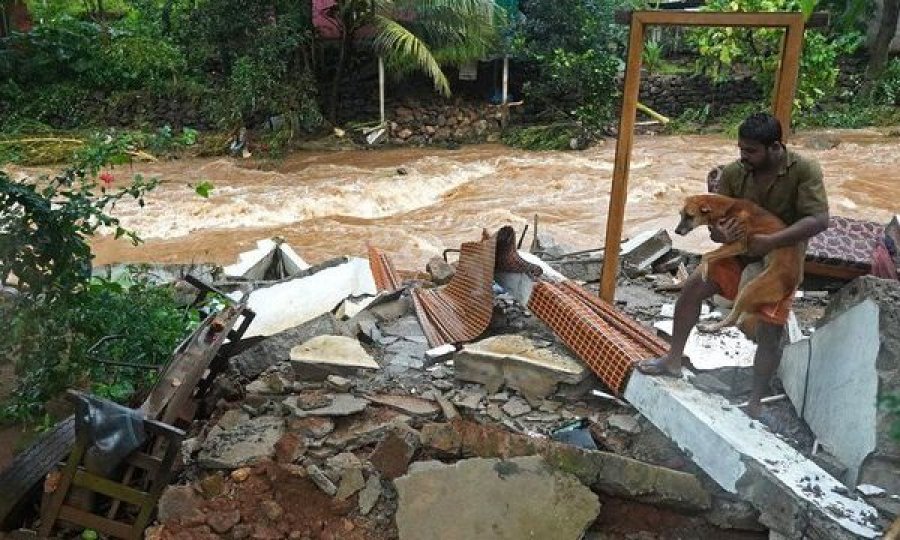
639, 253
517, 362
794, 495
833, 381
726, 348
256, 263
291, 303
492, 499
329, 355
244, 444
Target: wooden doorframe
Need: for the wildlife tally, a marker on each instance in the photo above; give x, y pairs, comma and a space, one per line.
785, 86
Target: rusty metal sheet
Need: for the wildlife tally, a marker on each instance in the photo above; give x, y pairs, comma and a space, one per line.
461, 310
383, 271
605, 339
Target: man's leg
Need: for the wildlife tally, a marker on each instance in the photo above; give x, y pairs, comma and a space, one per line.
768, 356
687, 313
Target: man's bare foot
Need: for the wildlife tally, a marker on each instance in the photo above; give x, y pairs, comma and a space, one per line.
660, 366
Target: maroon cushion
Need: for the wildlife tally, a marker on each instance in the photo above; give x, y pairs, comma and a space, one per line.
846, 242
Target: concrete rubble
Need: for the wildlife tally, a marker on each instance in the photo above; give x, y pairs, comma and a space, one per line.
492, 498
327, 423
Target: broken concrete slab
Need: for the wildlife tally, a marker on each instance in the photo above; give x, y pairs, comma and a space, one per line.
291, 303
410, 405
584, 268
321, 480
271, 259
516, 407
405, 353
835, 380
244, 444
311, 427
517, 362
370, 494
277, 348
440, 270
727, 347
605, 472
158, 273
338, 405
393, 454
639, 253
624, 422
493, 499
794, 495
352, 480
330, 355
366, 428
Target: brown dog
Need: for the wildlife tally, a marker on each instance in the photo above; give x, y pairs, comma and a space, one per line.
783, 266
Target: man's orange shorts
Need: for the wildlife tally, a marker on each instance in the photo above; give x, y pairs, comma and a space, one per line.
726, 273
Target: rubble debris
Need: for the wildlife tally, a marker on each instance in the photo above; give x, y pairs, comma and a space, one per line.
492, 498
352, 481
604, 472
410, 405
639, 253
441, 272
321, 480
624, 422
439, 354
517, 362
291, 303
179, 503
244, 444
745, 459
370, 494
339, 383
393, 454
516, 407
869, 490
839, 399
329, 355
406, 353
581, 267
366, 428
271, 259
334, 405
383, 271
276, 348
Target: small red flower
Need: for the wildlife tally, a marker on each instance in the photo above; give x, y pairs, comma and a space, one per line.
107, 178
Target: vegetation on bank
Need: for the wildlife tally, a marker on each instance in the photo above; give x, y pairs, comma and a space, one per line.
151, 63
62, 327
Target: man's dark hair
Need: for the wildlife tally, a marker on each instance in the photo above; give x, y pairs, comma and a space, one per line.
762, 128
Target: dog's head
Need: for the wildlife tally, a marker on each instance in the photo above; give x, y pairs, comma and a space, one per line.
702, 210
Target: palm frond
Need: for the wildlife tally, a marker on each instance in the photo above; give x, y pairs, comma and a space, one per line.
401, 47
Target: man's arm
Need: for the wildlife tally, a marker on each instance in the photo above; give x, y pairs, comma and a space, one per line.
801, 231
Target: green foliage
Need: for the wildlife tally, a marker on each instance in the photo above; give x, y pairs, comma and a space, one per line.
46, 224
61, 345
203, 188
88, 55
891, 403
887, 88
652, 56
575, 49
554, 137
723, 50
259, 60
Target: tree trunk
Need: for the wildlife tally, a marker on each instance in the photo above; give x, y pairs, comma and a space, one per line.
346, 40
887, 28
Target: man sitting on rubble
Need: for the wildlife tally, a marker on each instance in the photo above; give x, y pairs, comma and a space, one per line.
788, 185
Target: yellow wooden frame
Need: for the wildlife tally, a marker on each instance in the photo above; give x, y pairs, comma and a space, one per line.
785, 87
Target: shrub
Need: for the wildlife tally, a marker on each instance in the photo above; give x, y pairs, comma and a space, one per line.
575, 50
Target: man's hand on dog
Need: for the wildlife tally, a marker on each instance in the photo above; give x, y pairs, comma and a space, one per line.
726, 231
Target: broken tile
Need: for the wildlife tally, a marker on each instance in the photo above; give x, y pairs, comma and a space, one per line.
340, 405
370, 494
407, 404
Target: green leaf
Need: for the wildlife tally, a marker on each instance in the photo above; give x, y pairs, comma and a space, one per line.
204, 189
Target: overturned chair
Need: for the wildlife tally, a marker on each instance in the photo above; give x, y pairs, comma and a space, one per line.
120, 455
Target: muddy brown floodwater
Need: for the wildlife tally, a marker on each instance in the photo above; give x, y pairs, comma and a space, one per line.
327, 204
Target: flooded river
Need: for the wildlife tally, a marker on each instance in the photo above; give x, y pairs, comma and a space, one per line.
331, 203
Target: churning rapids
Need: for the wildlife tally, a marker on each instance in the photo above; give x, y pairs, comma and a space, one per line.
327, 204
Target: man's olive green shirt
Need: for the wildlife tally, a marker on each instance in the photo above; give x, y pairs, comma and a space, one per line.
796, 193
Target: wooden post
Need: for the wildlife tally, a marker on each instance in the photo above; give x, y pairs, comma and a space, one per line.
624, 141
788, 72
381, 87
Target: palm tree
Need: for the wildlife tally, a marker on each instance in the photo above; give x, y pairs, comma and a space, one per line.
417, 35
